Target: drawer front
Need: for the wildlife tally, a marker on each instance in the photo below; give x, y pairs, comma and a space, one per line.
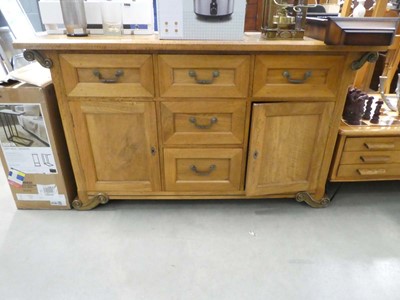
222, 76
372, 144
369, 172
107, 75
200, 123
369, 157
209, 170
287, 76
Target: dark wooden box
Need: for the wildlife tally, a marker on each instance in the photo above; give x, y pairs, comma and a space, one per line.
352, 31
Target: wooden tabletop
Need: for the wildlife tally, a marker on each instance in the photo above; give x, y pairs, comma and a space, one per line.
252, 41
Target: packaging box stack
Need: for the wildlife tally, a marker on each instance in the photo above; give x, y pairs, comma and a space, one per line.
33, 148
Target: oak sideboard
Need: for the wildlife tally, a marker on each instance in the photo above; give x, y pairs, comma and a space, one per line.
154, 119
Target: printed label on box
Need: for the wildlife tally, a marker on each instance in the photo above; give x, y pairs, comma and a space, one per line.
47, 190
16, 178
25, 140
58, 200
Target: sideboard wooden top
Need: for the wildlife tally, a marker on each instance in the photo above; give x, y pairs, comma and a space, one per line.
251, 42
369, 130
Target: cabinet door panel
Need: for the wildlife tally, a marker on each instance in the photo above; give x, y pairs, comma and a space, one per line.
117, 145
286, 147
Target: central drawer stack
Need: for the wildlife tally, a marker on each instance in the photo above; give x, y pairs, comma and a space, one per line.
203, 112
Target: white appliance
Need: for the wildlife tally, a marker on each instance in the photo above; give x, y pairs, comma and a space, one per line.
138, 16
201, 19
213, 8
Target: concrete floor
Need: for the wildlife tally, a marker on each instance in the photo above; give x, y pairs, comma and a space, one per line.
272, 249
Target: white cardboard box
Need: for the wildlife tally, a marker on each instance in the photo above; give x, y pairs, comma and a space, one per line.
182, 19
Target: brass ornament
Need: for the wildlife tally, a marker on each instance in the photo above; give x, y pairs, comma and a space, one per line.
282, 20
306, 197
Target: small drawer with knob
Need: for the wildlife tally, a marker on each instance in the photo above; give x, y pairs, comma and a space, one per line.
203, 123
368, 157
369, 172
312, 77
372, 144
107, 75
204, 76
203, 169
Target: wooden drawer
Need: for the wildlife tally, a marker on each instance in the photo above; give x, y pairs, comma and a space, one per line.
208, 170
107, 75
200, 123
369, 172
300, 76
368, 157
372, 144
221, 76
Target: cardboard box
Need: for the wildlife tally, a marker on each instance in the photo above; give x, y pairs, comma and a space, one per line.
201, 19
33, 148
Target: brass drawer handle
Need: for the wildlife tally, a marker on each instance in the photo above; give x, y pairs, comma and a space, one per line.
118, 74
215, 74
368, 172
203, 173
287, 75
375, 159
379, 146
193, 120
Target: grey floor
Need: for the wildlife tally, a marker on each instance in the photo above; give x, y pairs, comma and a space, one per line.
271, 249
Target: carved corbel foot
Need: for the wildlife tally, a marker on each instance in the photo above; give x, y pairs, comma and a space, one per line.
306, 197
100, 198
31, 55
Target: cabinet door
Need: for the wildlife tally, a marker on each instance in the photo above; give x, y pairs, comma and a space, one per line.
287, 146
117, 145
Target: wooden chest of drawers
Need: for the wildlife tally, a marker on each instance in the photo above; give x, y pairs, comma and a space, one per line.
150, 119
367, 153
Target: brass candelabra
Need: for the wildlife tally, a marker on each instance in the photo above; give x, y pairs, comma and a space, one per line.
284, 20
